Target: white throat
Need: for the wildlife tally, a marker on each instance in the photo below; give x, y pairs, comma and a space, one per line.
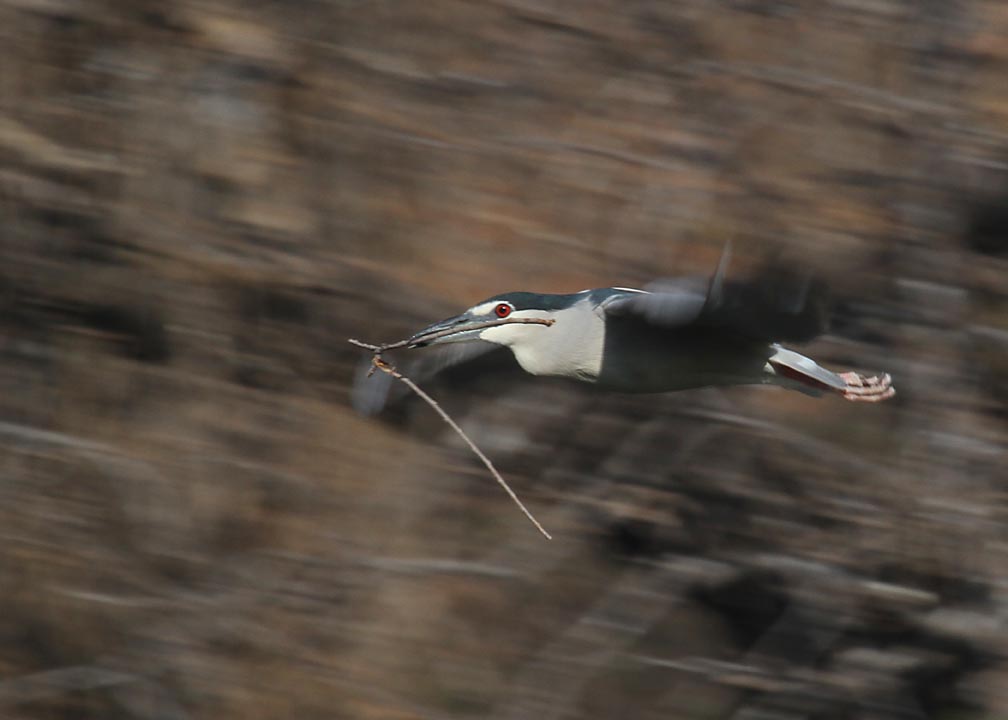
570, 347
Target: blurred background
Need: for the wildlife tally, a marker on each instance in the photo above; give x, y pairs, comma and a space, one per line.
201, 201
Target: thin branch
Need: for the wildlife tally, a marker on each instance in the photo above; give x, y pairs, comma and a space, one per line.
379, 349
378, 362
46, 684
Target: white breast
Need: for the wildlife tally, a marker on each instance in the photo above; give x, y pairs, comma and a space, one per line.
571, 347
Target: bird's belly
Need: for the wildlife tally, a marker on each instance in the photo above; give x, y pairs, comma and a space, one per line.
665, 365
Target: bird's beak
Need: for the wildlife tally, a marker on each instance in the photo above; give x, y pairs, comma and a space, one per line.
456, 329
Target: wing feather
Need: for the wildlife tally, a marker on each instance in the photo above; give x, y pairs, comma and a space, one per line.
777, 304
370, 395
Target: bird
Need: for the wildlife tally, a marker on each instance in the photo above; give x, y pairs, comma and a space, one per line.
674, 334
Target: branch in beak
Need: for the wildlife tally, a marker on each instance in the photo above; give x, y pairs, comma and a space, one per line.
451, 327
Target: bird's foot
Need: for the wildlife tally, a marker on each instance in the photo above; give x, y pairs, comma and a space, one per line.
867, 389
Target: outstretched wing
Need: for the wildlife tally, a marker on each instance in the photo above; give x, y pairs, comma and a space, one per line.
672, 302
665, 303
370, 395
777, 304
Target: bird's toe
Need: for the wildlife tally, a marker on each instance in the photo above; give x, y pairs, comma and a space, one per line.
867, 389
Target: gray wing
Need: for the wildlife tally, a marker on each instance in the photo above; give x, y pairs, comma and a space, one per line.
673, 302
370, 395
777, 304
665, 304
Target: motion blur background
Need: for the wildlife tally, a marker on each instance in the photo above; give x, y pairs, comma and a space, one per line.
201, 201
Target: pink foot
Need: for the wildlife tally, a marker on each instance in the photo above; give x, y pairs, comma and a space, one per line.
867, 389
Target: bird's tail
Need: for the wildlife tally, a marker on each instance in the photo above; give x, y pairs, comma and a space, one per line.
793, 369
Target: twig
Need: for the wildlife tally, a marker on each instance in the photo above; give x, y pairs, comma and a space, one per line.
378, 362
379, 349
384, 366
46, 684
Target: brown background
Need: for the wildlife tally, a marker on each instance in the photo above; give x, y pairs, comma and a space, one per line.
202, 200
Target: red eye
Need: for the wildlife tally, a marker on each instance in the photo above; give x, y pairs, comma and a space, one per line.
502, 310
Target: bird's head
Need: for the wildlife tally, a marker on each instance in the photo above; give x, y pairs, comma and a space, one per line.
498, 320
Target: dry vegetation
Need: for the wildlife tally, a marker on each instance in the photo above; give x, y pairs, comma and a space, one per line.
202, 200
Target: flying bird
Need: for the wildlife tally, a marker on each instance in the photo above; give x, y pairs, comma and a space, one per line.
672, 335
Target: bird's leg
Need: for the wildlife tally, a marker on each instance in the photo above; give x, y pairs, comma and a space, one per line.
796, 368
867, 389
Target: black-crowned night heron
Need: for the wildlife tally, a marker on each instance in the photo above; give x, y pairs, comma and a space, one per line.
677, 334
